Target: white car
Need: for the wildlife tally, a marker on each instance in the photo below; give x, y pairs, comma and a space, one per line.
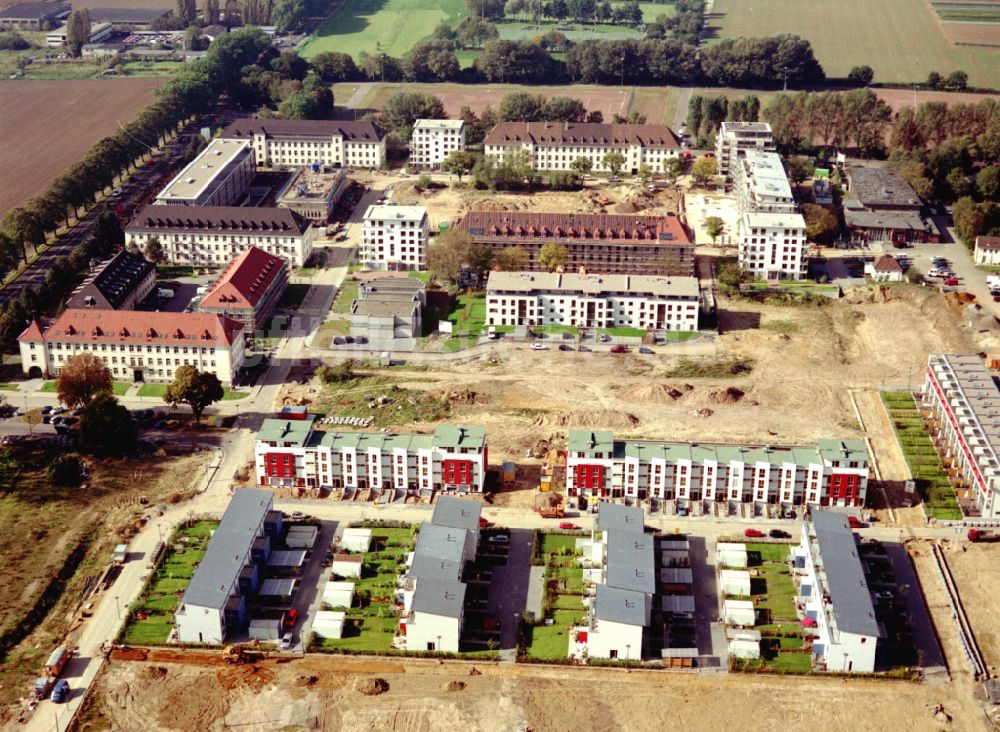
286, 642
499, 539
539, 347
935, 272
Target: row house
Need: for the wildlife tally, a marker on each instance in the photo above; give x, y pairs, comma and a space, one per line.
963, 402
434, 140
215, 235
136, 345
834, 473
293, 453
395, 238
592, 301
293, 143
555, 145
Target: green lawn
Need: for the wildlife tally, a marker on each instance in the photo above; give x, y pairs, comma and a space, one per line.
381, 26
576, 31
625, 332
153, 390
469, 314
118, 388
777, 590
346, 295
557, 329
651, 11
457, 344
49, 387
293, 296
174, 270
330, 330
228, 395
424, 277
182, 557
564, 604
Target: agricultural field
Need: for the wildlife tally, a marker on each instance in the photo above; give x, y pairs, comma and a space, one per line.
902, 40
576, 32
39, 143
386, 26
970, 22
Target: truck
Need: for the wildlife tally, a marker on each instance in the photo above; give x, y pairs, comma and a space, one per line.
120, 554
993, 282
983, 535
550, 511
42, 686
57, 661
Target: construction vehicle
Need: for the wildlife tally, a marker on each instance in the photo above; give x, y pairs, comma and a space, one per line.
43, 685
57, 661
982, 535
244, 653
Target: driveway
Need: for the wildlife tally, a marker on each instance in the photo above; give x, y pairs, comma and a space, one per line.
508, 594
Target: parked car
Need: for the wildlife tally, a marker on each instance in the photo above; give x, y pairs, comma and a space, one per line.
564, 347
58, 410
854, 522
483, 523
568, 526
46, 418
47, 409
605, 338
619, 349
539, 347
753, 533
292, 616
951, 281
287, 641
583, 349
297, 516
647, 350
60, 692
498, 539
779, 534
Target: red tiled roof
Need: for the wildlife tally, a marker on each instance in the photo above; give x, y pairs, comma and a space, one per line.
885, 263
530, 225
989, 243
581, 133
137, 327
245, 280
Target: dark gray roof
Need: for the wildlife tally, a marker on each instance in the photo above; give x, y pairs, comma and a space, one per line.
622, 606
360, 130
440, 542
616, 516
439, 597
881, 188
228, 548
127, 15
112, 283
240, 219
425, 566
458, 513
34, 11
849, 596
630, 562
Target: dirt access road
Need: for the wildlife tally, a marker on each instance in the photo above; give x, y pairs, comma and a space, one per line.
322, 692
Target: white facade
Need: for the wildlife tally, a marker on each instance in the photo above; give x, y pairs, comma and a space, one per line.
395, 238
615, 641
218, 176
987, 250
885, 269
434, 139
734, 582
296, 143
772, 246
735, 139
98, 32
739, 612
761, 184
588, 301
432, 632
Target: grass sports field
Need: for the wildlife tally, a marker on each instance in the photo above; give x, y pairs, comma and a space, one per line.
389, 26
902, 40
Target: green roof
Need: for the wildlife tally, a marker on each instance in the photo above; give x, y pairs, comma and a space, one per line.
591, 441
721, 453
363, 441
295, 431
451, 437
847, 450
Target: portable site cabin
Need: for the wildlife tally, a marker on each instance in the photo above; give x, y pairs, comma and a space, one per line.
347, 565
338, 594
739, 612
329, 624
265, 629
731, 555
356, 540
301, 537
57, 660
734, 582
743, 643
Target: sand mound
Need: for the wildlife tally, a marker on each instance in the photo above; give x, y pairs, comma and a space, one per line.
602, 418
464, 396
627, 207
475, 672
730, 395
372, 687
453, 686
154, 672
486, 204
657, 393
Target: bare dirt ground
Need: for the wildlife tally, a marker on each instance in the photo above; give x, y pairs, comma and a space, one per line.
325, 693
976, 568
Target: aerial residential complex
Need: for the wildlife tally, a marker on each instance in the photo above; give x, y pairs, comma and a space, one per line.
432, 590
215, 604
772, 246
592, 301
218, 176
736, 139
963, 401
555, 145
213, 235
595, 243
136, 345
297, 142
761, 185
834, 593
395, 238
696, 475
294, 453
120, 283
248, 290
435, 139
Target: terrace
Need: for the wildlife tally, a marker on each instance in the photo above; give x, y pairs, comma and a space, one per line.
562, 601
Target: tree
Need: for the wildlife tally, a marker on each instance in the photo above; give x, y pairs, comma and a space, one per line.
154, 251
459, 163
703, 170
563, 109
861, 75
645, 173
957, 81
448, 253
186, 10
431, 61
405, 108
968, 217
582, 166
81, 378
106, 427
821, 224
511, 259
66, 470
959, 183
479, 257
195, 388
988, 183
520, 107
287, 15
714, 227
613, 161
210, 11
798, 169
672, 169
553, 256
334, 67
730, 276
485, 8
78, 30
194, 40
934, 80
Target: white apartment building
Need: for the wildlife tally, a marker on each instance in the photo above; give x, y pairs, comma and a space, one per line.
215, 235
218, 176
292, 453
395, 238
833, 591
592, 301
761, 185
293, 143
136, 345
695, 475
98, 32
736, 138
963, 402
434, 139
772, 246
555, 145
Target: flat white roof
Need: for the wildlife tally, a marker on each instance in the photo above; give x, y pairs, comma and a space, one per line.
767, 175
395, 213
774, 220
439, 124
200, 172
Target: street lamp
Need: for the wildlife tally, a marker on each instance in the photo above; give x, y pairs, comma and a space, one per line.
31, 427
118, 608
628, 652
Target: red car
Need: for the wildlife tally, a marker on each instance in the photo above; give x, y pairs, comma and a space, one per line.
619, 349
854, 523
568, 526
484, 524
292, 616
951, 281
753, 533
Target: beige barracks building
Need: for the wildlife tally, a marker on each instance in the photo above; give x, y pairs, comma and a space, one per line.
292, 143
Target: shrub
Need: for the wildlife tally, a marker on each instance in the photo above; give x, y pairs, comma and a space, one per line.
336, 374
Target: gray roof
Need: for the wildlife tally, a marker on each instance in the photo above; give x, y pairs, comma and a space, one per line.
127, 15
622, 606
281, 587
385, 308
590, 441
622, 518
440, 542
849, 596
287, 558
458, 513
881, 187
630, 562
425, 566
439, 597
677, 603
674, 575
884, 220
598, 285
211, 583
34, 11
113, 282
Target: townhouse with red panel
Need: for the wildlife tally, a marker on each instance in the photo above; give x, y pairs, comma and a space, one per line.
696, 475
293, 453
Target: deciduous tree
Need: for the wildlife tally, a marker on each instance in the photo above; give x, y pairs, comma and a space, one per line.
553, 256
703, 170
195, 388
613, 161
81, 378
511, 259
78, 30
448, 253
714, 227
821, 224
106, 427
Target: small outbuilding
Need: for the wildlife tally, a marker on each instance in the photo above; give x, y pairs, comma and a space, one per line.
338, 594
739, 612
678, 607
356, 540
731, 555
265, 629
676, 581
329, 624
734, 582
743, 643
346, 565
301, 537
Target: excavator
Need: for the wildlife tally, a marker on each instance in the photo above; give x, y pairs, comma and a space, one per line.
244, 652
